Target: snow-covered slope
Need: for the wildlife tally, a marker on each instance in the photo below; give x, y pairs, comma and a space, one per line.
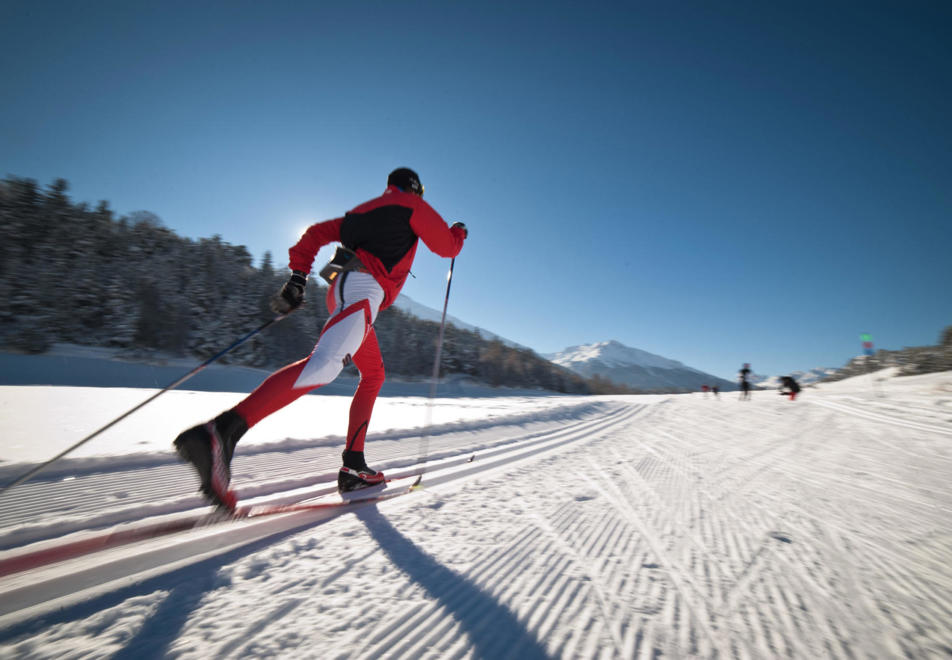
421, 311
634, 367
612, 354
560, 527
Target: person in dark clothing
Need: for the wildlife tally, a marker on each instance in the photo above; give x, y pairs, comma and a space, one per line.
744, 382
380, 237
789, 386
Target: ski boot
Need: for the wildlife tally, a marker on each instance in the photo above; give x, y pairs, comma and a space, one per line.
209, 448
355, 474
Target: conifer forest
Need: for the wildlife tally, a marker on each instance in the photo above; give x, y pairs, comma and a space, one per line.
77, 274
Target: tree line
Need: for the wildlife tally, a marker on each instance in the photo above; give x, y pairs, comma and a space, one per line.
78, 274
909, 361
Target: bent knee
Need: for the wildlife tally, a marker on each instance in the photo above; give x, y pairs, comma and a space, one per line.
373, 379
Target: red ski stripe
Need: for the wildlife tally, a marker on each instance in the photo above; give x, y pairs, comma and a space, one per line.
115, 538
271, 509
111, 539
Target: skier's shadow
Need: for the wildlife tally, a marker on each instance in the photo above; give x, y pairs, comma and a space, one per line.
492, 629
186, 587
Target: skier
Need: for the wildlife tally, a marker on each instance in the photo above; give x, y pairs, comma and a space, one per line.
744, 383
379, 240
789, 386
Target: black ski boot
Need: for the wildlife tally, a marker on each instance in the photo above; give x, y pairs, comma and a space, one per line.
209, 448
355, 474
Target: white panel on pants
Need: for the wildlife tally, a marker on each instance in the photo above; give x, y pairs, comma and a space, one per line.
347, 334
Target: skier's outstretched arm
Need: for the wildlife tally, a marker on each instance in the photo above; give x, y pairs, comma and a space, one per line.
442, 240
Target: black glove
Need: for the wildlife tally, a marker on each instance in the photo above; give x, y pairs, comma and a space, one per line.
461, 226
291, 294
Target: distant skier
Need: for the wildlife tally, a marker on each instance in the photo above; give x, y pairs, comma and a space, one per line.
380, 237
715, 389
744, 382
705, 388
789, 386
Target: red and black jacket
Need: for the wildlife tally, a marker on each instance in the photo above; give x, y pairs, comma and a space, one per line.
384, 233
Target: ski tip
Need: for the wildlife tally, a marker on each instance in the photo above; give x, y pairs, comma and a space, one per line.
416, 484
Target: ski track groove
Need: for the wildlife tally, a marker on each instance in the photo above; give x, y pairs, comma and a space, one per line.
581, 431
28, 511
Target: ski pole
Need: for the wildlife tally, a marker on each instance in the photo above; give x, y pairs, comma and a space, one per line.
424, 444
170, 386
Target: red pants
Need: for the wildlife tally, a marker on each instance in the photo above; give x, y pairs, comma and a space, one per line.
281, 387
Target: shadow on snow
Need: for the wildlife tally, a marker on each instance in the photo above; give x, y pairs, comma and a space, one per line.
493, 630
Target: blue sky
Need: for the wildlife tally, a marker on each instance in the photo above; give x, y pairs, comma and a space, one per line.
752, 182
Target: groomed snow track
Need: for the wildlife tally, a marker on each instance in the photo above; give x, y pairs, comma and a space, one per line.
689, 527
55, 572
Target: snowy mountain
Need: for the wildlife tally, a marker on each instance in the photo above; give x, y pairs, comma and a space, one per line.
634, 367
406, 304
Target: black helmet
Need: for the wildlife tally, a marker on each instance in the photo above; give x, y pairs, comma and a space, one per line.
406, 180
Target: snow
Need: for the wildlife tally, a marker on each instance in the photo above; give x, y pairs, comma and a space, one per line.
64, 415
421, 311
548, 526
613, 354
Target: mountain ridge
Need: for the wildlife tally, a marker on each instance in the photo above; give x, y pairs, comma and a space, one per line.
407, 304
634, 367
